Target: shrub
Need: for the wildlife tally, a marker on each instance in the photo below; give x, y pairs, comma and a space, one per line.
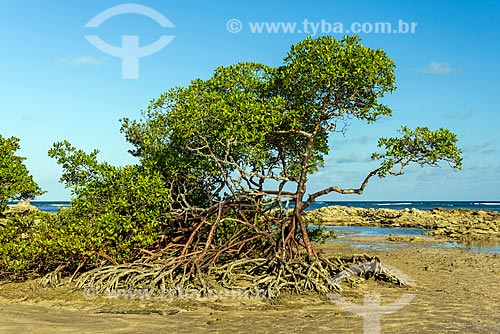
15, 181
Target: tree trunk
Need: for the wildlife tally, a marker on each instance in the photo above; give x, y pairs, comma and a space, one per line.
297, 215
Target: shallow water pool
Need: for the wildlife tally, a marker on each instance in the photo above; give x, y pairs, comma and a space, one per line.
346, 232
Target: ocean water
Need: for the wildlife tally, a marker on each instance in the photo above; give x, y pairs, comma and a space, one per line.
397, 205
50, 206
353, 231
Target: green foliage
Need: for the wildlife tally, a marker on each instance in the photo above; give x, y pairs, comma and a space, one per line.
257, 119
326, 82
15, 181
252, 131
117, 209
328, 78
321, 234
421, 146
115, 212
200, 134
38, 243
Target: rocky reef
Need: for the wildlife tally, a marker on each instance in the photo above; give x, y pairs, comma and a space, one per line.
457, 224
21, 208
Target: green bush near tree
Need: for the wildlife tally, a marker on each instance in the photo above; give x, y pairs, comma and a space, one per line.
116, 212
15, 181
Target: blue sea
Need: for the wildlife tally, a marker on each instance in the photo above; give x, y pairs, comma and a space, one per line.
50, 206
398, 205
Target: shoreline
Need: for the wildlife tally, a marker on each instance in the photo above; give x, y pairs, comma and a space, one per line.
450, 224
491, 205
455, 292
457, 224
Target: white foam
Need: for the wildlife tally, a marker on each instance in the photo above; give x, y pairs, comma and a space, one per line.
486, 203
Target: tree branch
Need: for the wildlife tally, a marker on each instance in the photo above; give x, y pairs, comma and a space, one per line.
339, 190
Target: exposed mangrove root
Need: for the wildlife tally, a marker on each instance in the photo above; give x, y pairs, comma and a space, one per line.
271, 276
53, 278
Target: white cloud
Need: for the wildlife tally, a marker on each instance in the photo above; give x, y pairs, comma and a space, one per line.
480, 166
438, 68
363, 140
458, 115
79, 61
487, 147
353, 157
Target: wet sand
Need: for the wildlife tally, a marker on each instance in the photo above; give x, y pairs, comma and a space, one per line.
457, 291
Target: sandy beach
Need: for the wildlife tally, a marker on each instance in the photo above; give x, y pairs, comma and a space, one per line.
456, 291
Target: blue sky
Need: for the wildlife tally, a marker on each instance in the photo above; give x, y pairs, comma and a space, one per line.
55, 85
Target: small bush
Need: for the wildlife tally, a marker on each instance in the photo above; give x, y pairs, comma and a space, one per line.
15, 181
117, 211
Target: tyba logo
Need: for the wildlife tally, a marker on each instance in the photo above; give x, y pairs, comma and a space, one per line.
130, 51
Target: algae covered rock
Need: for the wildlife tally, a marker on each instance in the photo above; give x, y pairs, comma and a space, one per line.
21, 208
